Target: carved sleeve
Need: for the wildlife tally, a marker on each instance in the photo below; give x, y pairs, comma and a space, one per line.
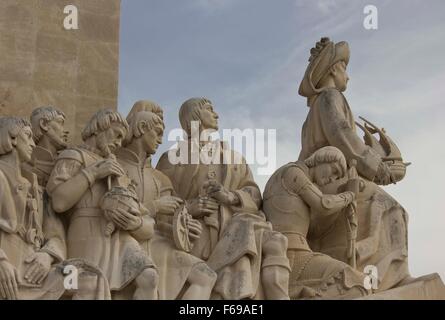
296, 182
325, 204
247, 192
67, 183
338, 125
62, 172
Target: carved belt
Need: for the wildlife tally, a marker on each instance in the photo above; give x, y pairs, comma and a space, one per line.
87, 212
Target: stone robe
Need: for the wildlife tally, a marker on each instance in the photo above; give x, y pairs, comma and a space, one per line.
173, 265
231, 241
23, 230
41, 165
382, 222
119, 256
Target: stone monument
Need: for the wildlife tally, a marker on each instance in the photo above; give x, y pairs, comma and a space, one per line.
196, 226
42, 63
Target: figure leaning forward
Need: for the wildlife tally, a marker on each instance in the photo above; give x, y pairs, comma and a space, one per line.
108, 239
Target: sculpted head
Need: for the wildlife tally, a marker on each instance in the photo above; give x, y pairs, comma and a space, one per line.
336, 77
146, 129
146, 105
326, 165
200, 110
48, 126
105, 131
326, 69
16, 136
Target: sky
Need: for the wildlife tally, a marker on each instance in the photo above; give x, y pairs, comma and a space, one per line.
249, 56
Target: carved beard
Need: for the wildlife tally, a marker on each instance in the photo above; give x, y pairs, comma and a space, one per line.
57, 142
102, 145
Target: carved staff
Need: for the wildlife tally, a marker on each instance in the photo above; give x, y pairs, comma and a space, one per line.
351, 217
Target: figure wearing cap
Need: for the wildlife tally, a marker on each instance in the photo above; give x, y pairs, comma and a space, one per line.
382, 227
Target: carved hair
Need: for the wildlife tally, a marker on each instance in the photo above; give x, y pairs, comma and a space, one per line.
151, 120
145, 105
328, 155
190, 112
46, 113
102, 121
10, 128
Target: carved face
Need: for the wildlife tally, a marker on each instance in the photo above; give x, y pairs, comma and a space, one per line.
55, 130
209, 118
340, 76
325, 173
25, 144
110, 140
153, 138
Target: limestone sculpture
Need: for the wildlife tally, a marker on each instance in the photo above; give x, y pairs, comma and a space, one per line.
196, 226
382, 231
291, 199
27, 259
181, 275
80, 179
237, 241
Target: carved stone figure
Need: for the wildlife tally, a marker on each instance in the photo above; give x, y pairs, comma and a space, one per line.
50, 136
77, 185
291, 197
382, 222
181, 275
236, 241
27, 259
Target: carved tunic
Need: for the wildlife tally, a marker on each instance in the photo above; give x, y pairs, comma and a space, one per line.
232, 240
173, 265
290, 198
119, 256
22, 231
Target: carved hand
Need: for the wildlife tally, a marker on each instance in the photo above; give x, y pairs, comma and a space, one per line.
105, 168
349, 197
195, 229
218, 192
202, 206
168, 205
8, 281
128, 221
39, 266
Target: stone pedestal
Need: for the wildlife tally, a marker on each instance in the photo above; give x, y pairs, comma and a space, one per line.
42, 63
429, 287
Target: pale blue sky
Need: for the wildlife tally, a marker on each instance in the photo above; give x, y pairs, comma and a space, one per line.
248, 57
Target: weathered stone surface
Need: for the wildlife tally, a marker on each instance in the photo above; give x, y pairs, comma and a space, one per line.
44, 64
429, 287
